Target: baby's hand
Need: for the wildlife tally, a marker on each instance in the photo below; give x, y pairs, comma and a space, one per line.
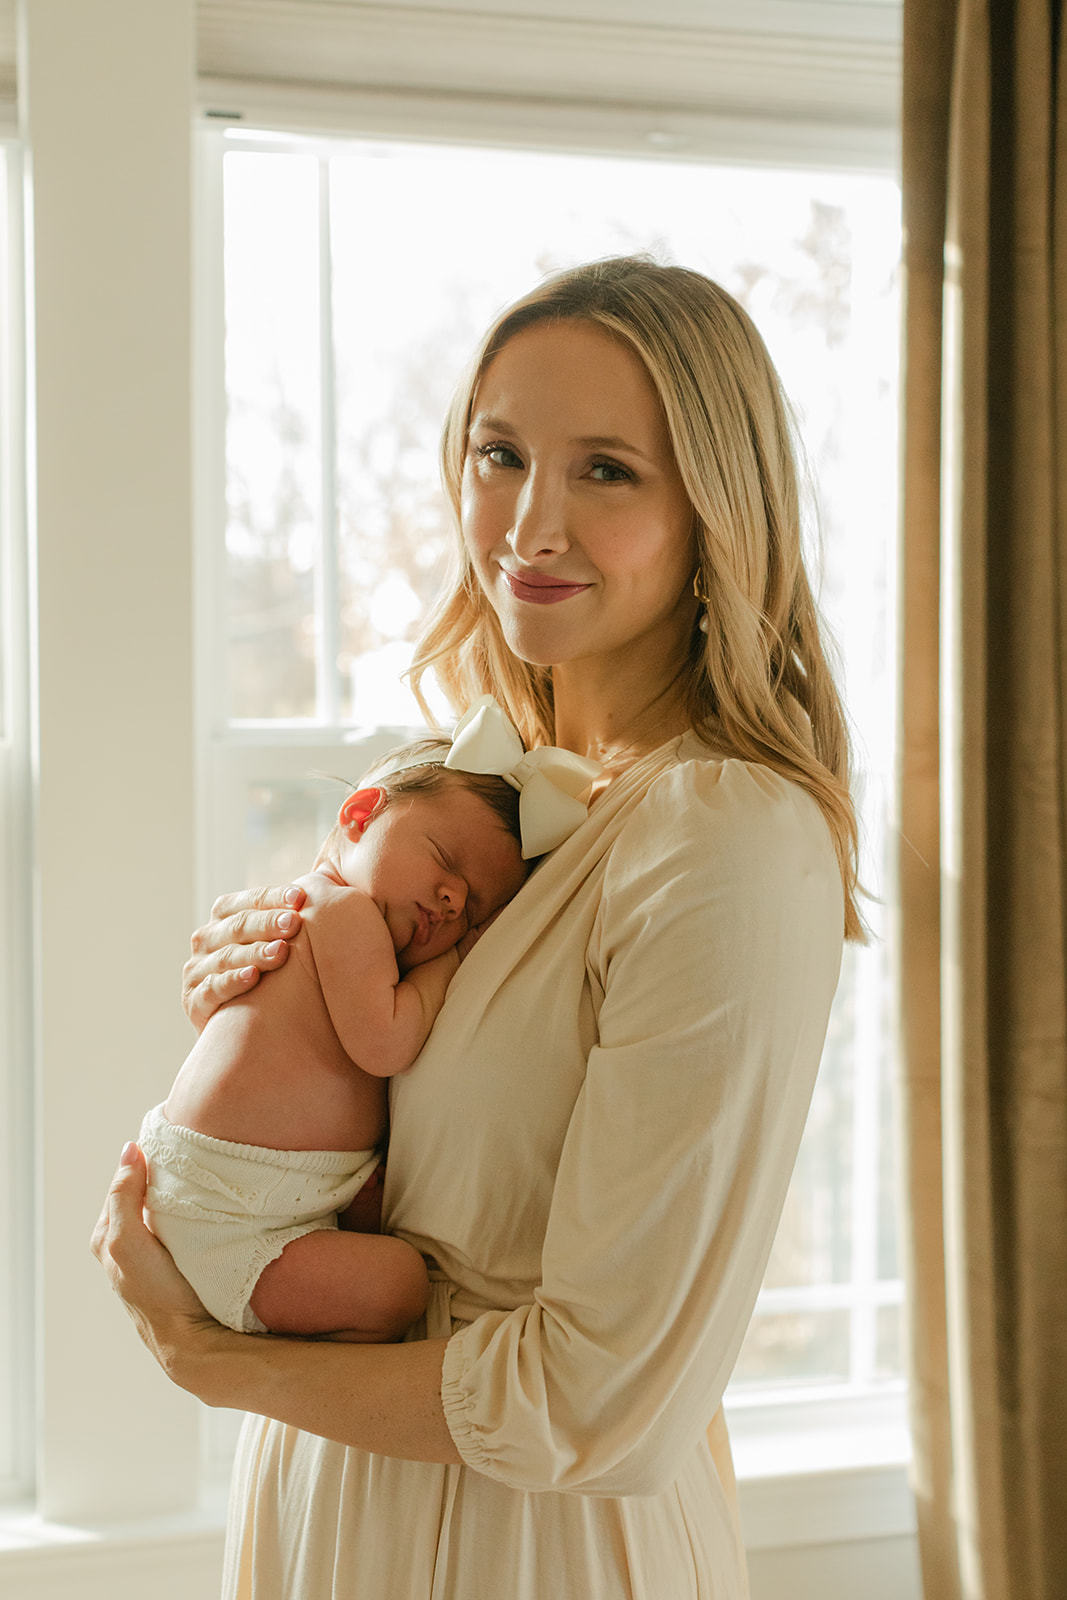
472, 935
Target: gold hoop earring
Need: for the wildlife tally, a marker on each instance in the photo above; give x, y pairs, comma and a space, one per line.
705, 601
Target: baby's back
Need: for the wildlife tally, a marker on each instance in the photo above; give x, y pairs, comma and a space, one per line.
269, 1069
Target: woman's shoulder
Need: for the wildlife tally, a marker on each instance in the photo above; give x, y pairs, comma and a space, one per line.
705, 802
726, 852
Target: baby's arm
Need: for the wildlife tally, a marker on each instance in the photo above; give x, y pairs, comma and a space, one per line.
381, 1019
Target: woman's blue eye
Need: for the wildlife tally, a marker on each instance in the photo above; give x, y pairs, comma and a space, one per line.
613, 472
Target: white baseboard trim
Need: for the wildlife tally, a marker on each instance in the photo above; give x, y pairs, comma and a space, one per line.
816, 1508
67, 1563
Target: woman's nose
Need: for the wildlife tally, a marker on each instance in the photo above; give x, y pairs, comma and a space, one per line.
540, 526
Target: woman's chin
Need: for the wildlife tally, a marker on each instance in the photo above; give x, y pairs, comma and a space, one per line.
540, 643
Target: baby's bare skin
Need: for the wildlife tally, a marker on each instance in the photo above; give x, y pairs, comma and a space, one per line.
271, 1068
399, 893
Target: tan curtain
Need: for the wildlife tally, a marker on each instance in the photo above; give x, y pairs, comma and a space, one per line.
983, 815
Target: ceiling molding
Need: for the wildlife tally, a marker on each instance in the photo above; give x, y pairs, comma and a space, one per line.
813, 64
727, 72
546, 125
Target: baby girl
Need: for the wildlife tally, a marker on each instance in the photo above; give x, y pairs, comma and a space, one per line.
274, 1121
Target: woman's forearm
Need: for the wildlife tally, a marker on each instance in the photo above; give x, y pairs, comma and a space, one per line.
385, 1398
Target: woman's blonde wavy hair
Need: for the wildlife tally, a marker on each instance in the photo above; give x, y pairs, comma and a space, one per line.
759, 685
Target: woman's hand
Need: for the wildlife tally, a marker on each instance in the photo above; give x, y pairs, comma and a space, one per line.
248, 934
167, 1313
385, 1398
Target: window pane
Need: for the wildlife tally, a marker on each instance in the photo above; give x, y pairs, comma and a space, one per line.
813, 257
273, 448
814, 1240
889, 1357
889, 1264
287, 820
794, 1346
784, 243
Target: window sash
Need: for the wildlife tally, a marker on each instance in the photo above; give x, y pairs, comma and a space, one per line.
237, 756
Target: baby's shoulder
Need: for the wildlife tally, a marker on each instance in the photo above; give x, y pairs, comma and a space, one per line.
330, 900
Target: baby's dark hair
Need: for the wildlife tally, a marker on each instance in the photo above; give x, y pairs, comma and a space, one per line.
430, 776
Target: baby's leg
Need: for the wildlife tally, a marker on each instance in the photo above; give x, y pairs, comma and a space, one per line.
366, 1288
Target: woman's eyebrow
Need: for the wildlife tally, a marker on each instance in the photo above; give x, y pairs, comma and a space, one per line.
494, 424
591, 441
611, 441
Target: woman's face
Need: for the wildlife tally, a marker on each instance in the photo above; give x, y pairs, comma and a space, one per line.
573, 509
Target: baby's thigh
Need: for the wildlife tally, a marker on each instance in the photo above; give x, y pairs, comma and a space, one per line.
364, 1287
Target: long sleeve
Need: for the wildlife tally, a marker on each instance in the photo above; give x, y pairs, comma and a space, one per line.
712, 961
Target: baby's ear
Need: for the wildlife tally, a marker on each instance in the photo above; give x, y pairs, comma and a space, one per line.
358, 810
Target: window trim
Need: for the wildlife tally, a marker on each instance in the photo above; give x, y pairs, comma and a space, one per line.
17, 968
807, 1415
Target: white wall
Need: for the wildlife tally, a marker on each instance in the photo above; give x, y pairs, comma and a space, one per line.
105, 102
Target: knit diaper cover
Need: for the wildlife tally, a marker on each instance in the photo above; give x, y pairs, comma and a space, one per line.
226, 1211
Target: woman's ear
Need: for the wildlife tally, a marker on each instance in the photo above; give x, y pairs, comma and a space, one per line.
358, 810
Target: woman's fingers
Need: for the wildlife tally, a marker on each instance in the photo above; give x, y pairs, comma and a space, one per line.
202, 996
289, 897
126, 1192
247, 935
209, 981
229, 958
138, 1268
244, 928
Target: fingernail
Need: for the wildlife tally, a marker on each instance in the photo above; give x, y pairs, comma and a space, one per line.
129, 1154
247, 973
286, 922
276, 948
293, 896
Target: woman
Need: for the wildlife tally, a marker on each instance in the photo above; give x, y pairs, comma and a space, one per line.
594, 1146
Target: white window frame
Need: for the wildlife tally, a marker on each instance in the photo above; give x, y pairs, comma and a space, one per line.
824, 1428
16, 843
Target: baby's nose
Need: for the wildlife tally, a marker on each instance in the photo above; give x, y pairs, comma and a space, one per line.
453, 893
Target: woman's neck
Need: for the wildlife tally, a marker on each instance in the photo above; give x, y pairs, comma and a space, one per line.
616, 718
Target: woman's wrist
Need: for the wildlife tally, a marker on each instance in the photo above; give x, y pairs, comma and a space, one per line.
199, 1355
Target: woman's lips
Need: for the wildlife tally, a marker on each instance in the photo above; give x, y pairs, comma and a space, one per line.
540, 590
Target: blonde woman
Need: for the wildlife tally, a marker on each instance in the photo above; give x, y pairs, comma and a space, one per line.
593, 1148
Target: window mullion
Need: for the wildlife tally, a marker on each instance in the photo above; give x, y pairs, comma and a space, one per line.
865, 1165
327, 585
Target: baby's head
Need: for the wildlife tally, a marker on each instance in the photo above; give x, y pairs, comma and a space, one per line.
438, 851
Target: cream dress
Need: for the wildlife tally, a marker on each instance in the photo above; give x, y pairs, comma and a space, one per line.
593, 1147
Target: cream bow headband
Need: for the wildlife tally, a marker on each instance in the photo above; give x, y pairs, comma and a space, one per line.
549, 780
